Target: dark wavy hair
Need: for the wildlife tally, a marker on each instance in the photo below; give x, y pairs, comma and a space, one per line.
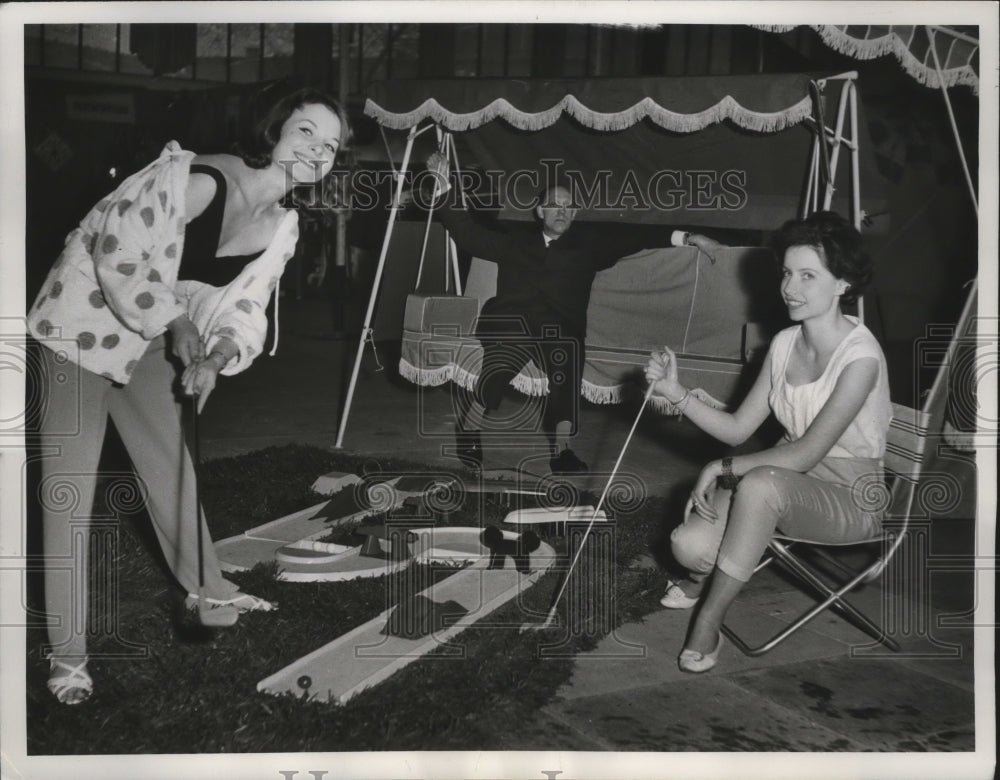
838, 244
256, 149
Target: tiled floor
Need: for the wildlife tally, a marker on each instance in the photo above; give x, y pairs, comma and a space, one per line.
820, 691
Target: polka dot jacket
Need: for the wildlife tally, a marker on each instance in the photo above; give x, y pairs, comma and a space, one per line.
114, 286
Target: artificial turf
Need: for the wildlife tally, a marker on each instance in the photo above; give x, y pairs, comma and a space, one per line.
164, 685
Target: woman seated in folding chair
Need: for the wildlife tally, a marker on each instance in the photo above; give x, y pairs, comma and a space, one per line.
825, 380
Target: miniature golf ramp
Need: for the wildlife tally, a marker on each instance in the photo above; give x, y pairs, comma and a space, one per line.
312, 561
308, 561
378, 649
348, 506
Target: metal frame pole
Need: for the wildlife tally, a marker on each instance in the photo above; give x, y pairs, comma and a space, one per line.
366, 328
451, 248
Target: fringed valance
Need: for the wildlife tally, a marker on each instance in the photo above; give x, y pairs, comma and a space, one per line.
606, 105
532, 382
912, 45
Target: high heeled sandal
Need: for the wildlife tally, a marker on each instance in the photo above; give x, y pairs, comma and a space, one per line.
695, 662
73, 686
244, 602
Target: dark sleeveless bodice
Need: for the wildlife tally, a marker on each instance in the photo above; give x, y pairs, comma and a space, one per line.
201, 241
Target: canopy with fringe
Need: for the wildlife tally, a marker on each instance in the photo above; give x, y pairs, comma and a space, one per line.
681, 105
921, 50
708, 151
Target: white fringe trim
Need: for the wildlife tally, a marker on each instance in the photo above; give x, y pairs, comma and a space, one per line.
433, 377
596, 394
602, 394
530, 386
647, 108
893, 43
425, 377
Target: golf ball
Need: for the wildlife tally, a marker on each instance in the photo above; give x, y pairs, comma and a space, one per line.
305, 681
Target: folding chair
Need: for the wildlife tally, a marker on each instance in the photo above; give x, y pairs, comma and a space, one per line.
903, 459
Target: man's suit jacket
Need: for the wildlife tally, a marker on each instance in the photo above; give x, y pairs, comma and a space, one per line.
550, 284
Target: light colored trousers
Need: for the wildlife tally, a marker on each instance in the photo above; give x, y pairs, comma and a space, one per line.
147, 414
769, 499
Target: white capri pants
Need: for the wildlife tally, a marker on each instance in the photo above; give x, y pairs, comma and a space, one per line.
767, 499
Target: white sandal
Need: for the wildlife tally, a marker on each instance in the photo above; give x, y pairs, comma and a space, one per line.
676, 598
74, 685
244, 602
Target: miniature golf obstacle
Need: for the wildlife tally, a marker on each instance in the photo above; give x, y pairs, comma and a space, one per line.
334, 482
451, 545
348, 507
555, 515
387, 548
507, 482
417, 624
308, 551
311, 561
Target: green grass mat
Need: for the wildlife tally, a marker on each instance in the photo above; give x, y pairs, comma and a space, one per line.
176, 689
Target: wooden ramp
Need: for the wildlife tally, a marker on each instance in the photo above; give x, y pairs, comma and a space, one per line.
419, 624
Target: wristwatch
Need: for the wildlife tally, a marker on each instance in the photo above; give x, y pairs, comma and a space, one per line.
727, 479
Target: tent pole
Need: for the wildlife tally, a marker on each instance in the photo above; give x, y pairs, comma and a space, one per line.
427, 226
810, 200
852, 95
964, 320
451, 242
838, 141
855, 159
366, 328
442, 141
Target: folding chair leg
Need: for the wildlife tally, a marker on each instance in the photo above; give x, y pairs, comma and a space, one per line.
833, 561
833, 599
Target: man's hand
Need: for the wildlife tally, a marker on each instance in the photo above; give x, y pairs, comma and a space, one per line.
186, 343
437, 163
709, 246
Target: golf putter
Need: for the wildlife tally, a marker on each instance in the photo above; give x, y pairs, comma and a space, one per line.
550, 618
223, 615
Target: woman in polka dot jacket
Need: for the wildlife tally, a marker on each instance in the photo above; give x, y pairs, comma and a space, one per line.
130, 311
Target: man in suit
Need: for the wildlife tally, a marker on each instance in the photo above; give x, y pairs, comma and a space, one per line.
545, 272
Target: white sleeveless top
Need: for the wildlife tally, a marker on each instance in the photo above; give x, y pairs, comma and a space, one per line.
796, 406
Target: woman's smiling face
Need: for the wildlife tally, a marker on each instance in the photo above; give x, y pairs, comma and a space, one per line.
808, 288
309, 141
